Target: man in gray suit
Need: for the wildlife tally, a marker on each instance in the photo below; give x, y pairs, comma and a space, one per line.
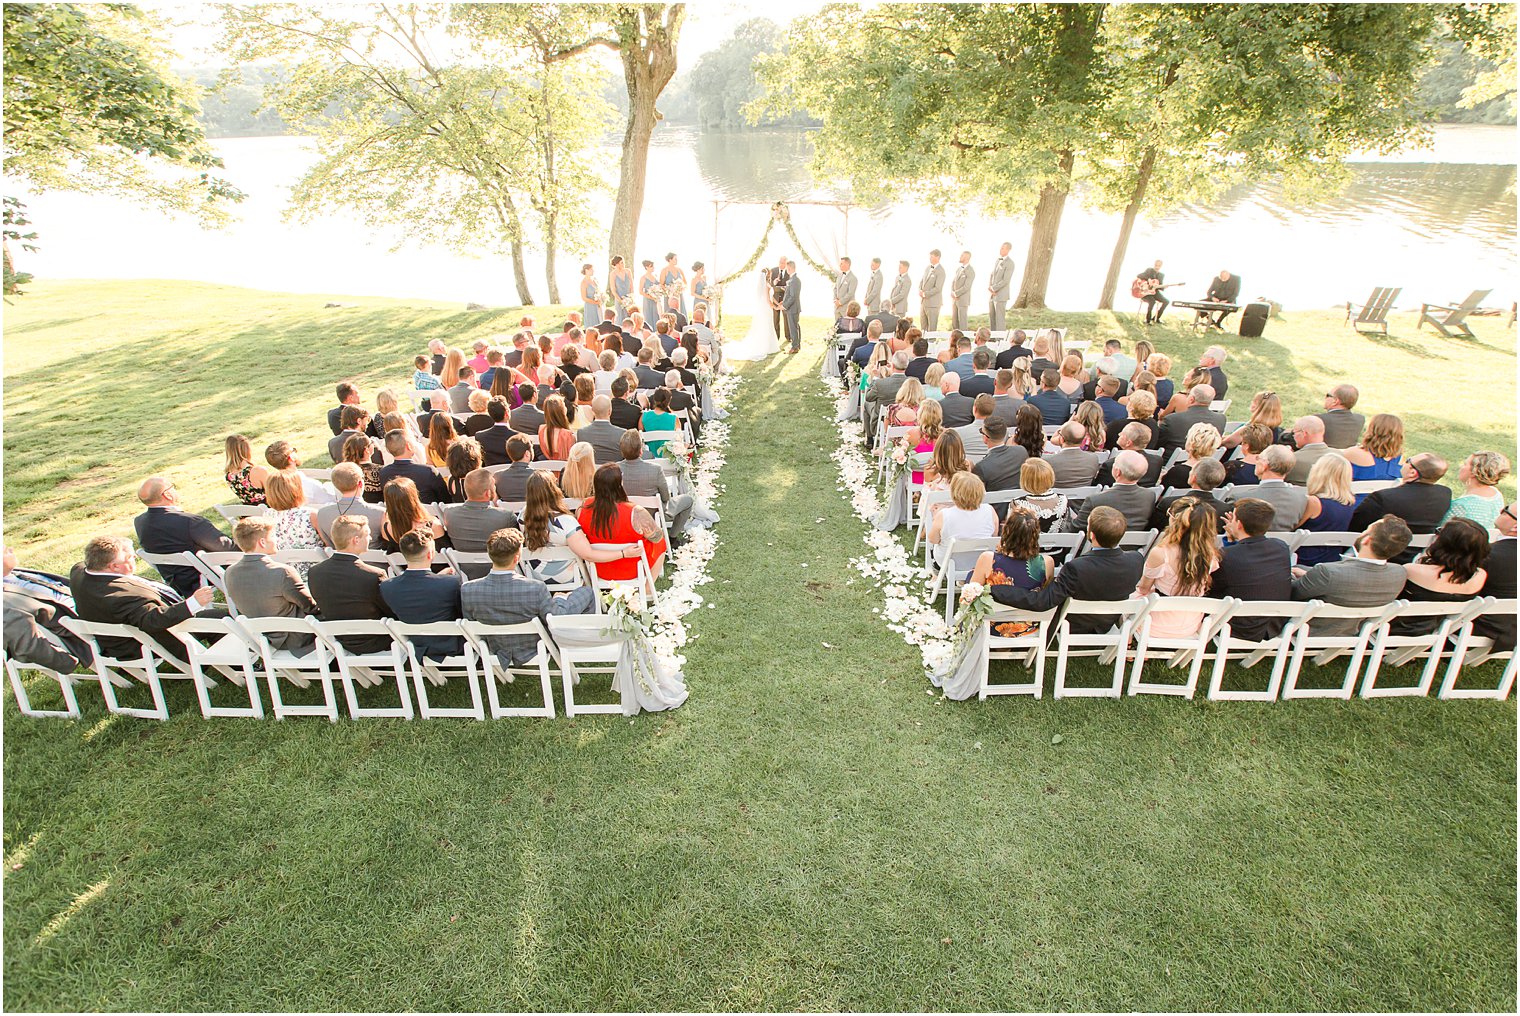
1130, 499
883, 392
1309, 437
844, 288
1287, 501
791, 309
505, 597
459, 395
1343, 428
1073, 466
262, 587
999, 468
873, 288
972, 437
644, 478
601, 434
897, 300
931, 292
473, 520
997, 288
960, 292
1175, 427
1005, 404
348, 480
1369, 579
512, 482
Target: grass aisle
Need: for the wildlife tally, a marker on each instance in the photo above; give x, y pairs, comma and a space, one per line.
810, 831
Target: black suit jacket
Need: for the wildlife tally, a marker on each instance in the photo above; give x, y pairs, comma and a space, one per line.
418, 596
1255, 569
172, 531
976, 384
123, 599
626, 415
1224, 290
430, 486
347, 589
1100, 575
1422, 506
919, 366
1500, 584
493, 444
335, 419
1009, 356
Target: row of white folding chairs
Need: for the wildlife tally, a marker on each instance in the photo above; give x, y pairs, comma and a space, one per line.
238, 650
1129, 645
923, 509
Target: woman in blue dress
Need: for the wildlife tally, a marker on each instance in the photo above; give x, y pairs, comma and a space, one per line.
699, 289
647, 285
674, 281
591, 299
1016, 562
620, 285
1380, 453
1329, 507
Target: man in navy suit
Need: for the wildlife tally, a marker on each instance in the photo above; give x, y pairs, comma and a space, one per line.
430, 486
421, 596
1253, 567
1107, 573
1053, 404
165, 528
493, 440
504, 596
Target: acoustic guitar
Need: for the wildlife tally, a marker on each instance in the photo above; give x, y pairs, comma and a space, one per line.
1145, 287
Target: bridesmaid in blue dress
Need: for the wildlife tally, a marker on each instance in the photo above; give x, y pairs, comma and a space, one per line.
647, 285
620, 285
699, 289
1329, 507
591, 299
673, 279
1380, 454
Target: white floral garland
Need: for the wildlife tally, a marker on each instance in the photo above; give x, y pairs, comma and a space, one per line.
668, 634
910, 607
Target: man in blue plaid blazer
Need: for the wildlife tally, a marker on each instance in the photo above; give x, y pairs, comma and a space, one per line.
505, 597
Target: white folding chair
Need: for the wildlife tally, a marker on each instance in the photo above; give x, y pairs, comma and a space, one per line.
14, 667
1472, 650
368, 669
1189, 650
379, 559
213, 565
925, 513
1111, 646
948, 579
644, 581
1294, 615
1401, 650
1030, 649
437, 672
571, 573
470, 564
299, 669
1290, 537
1139, 540
183, 559
550, 465
153, 663
227, 654
305, 555
578, 660
1220, 406
1371, 486
1331, 647
1345, 541
233, 512
494, 672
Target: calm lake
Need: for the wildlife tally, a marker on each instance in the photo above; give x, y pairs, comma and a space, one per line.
1438, 222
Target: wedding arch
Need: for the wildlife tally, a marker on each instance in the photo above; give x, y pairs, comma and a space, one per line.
780, 213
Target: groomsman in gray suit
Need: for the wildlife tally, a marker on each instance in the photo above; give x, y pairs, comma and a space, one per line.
997, 286
931, 292
873, 288
960, 292
844, 288
791, 307
897, 301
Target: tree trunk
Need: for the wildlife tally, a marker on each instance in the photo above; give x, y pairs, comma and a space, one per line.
1131, 212
520, 274
631, 177
551, 250
1042, 237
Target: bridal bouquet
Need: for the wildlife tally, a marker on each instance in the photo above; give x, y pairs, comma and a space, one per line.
899, 461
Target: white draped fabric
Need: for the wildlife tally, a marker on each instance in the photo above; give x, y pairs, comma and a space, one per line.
641, 681
761, 342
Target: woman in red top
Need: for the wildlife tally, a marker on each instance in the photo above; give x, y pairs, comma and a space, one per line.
609, 517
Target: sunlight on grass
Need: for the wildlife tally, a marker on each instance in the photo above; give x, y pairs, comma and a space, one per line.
69, 912
16, 858
100, 728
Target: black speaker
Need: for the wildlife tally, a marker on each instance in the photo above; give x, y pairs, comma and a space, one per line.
1253, 319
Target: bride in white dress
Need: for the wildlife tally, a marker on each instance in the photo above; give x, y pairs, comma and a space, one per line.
761, 341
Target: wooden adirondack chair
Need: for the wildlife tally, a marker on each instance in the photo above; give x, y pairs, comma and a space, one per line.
1373, 313
1452, 321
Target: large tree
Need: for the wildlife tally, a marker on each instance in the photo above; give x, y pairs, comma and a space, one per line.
89, 106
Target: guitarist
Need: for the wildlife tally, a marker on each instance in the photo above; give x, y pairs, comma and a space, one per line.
1148, 287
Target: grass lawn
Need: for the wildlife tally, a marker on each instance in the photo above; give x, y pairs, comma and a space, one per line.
810, 831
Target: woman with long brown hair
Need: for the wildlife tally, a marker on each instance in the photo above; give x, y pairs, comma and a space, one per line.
609, 517
547, 522
464, 457
403, 513
1180, 564
554, 434
948, 459
1029, 430
245, 478
441, 434
452, 361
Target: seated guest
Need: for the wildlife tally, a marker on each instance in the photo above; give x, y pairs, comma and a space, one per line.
850, 320
493, 439
609, 517
1105, 573
924, 434
423, 378
626, 412
1126, 495
1181, 563
388, 414
1104, 366
262, 587
283, 456
1343, 428
1212, 361
1500, 584
1044, 345
1018, 563
966, 517
403, 513
438, 353
882, 392
1182, 398
348, 395
106, 589
1272, 487
470, 522
349, 481
1144, 381
579, 410
1072, 466
496, 361
956, 407
427, 483
1369, 579
607, 369
1421, 500
1204, 479
555, 436
971, 433
980, 381
547, 522
463, 459
903, 412
644, 478
1450, 570
358, 451
1175, 426
1266, 411
959, 359
441, 434
1202, 442
580, 470
1480, 474
1253, 567
918, 366
1133, 438
1328, 507
932, 377
600, 433
1379, 454
505, 597
862, 346
527, 418
1008, 391
1093, 426
570, 362
1035, 479
347, 589
459, 392
478, 420
1107, 388
1029, 431
1139, 408
1055, 408
245, 478
645, 371
512, 482
35, 605
420, 595
1071, 381
658, 418
1250, 441
949, 458
1160, 367
1016, 350
355, 420
1309, 447
166, 528
295, 523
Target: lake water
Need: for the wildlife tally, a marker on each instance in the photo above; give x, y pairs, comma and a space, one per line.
1438, 222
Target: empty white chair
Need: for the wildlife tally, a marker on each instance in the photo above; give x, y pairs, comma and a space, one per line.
153, 663
432, 672
1472, 650
226, 653
368, 669
1332, 647
1029, 648
1401, 650
1111, 646
590, 655
494, 672
1189, 650
1227, 646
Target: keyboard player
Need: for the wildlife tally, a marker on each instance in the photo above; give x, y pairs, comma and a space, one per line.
1223, 288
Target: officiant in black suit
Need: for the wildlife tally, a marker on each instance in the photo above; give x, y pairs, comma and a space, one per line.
777, 277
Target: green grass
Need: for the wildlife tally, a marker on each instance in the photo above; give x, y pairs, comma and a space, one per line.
811, 831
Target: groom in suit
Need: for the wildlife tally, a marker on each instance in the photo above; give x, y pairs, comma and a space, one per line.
872, 299
777, 278
791, 306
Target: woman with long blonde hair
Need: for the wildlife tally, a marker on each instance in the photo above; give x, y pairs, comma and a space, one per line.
452, 361
1329, 507
1090, 416
1201, 443
903, 412
1180, 564
1266, 409
245, 478
580, 470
